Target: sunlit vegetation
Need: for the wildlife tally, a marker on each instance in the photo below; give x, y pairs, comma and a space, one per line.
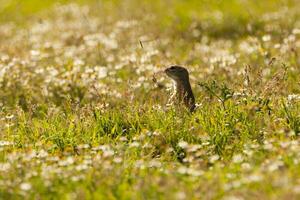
81, 118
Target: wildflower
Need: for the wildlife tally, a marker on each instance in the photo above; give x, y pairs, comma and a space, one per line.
42, 154
296, 31
108, 153
123, 139
293, 97
140, 164
182, 170
4, 167
83, 146
154, 164
5, 143
147, 146
139, 137
102, 71
183, 144
253, 178
296, 189
268, 146
81, 167
117, 160
155, 133
266, 38
77, 178
214, 158
69, 161
194, 148
78, 62
237, 158
134, 144
275, 166
180, 195
25, 186
9, 116
34, 53
188, 159
246, 166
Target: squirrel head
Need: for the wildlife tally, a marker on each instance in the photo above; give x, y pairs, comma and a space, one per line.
177, 73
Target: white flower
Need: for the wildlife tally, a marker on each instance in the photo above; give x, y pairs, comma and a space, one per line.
266, 38
253, 178
296, 189
102, 72
180, 195
246, 166
182, 170
123, 139
194, 148
5, 143
140, 164
214, 158
268, 146
275, 166
154, 164
237, 158
42, 154
66, 162
183, 144
4, 167
194, 172
81, 167
9, 116
117, 160
108, 153
293, 97
83, 146
147, 146
35, 53
25, 186
134, 144
155, 133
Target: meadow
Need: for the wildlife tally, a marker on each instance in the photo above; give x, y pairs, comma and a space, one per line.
81, 118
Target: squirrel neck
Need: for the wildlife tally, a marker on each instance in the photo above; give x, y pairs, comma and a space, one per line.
183, 86
184, 93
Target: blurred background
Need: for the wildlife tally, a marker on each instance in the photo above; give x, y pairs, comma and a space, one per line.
80, 117
132, 39
214, 15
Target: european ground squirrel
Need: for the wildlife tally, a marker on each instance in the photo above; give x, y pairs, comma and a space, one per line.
182, 88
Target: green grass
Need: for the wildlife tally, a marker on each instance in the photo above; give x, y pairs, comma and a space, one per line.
81, 118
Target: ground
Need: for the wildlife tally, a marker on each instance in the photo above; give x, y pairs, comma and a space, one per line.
81, 117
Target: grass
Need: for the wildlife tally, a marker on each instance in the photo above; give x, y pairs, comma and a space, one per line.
81, 117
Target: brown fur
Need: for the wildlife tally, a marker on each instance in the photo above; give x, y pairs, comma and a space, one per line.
183, 91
